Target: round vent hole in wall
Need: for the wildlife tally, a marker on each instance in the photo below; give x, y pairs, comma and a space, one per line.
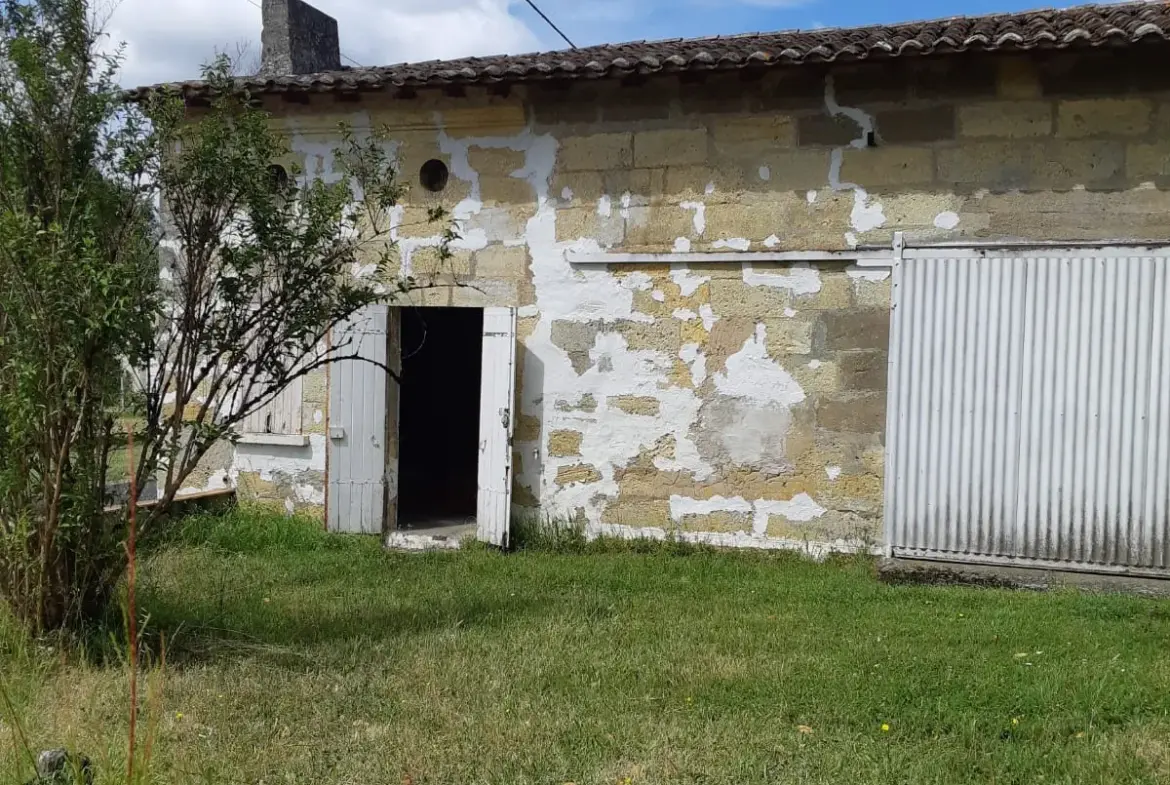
433, 175
277, 178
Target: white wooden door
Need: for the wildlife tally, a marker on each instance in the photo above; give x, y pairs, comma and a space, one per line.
496, 421
358, 397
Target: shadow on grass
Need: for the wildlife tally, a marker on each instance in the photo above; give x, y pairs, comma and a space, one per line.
247, 583
194, 636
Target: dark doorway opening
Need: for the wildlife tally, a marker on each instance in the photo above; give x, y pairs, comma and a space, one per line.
438, 417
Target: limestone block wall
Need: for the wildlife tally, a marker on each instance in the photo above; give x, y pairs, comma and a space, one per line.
743, 403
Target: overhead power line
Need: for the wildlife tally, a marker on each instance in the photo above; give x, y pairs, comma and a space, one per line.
550, 23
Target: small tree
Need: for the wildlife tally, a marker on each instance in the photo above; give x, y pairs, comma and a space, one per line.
78, 279
259, 265
264, 262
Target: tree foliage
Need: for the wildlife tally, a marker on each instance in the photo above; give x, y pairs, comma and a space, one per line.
77, 288
259, 261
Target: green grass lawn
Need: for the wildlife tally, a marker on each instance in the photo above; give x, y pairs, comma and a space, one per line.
294, 657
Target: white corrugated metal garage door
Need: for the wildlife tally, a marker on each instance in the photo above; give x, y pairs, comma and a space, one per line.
1029, 410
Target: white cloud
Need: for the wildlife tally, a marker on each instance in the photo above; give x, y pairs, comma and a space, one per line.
169, 40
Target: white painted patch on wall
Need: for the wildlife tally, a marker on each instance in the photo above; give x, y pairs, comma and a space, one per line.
699, 220
814, 364
873, 274
707, 314
865, 215
624, 212
604, 207
799, 509
681, 245
710, 189
688, 283
696, 361
765, 173
318, 416
754, 376
567, 194
771, 241
810, 197
684, 314
833, 472
789, 313
946, 220
734, 243
658, 295
800, 278
269, 460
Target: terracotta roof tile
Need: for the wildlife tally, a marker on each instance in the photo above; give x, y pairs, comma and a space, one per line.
1065, 28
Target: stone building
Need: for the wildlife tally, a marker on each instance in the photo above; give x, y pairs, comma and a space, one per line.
678, 267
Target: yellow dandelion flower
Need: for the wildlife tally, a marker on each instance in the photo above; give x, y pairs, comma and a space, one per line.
178, 715
1015, 720
885, 727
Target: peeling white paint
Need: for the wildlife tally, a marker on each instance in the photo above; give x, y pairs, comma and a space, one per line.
789, 313
800, 278
611, 439
771, 241
269, 460
833, 472
734, 243
696, 361
318, 416
754, 376
873, 274
866, 215
811, 197
688, 283
814, 364
799, 509
699, 221
812, 549
946, 220
707, 314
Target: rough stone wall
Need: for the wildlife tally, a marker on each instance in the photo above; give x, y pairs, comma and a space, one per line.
744, 403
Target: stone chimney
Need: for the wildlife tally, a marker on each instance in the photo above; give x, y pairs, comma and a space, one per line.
297, 39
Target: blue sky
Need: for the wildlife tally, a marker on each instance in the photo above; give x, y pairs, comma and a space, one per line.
168, 39
612, 21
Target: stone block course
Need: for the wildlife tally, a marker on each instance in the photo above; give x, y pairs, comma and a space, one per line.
858, 413
563, 444
882, 167
596, 152
751, 135
853, 330
911, 126
670, 147
826, 130
1103, 117
579, 473
1006, 119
